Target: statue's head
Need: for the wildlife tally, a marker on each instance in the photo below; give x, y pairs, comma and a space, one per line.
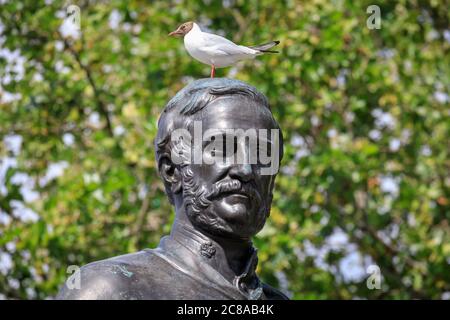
218, 150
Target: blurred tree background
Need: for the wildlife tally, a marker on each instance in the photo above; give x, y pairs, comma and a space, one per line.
365, 113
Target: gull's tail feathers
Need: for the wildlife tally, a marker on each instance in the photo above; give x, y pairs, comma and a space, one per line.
266, 46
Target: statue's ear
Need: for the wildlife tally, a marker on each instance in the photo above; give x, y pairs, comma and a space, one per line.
170, 174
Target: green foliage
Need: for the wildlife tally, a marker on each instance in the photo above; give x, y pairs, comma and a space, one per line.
365, 115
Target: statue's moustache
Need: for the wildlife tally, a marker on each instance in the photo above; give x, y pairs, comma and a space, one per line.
230, 186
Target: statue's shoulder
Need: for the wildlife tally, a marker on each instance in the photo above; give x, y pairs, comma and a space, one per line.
111, 279
273, 294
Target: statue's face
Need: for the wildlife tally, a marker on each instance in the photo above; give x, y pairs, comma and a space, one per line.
228, 198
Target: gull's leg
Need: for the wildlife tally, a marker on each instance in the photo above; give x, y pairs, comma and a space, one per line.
213, 71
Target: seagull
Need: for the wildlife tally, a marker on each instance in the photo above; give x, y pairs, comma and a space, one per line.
217, 51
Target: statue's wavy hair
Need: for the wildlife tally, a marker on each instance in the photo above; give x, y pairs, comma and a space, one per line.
180, 111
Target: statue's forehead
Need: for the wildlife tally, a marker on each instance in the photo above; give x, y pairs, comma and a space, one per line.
236, 112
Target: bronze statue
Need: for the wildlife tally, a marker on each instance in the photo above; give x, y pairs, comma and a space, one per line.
220, 205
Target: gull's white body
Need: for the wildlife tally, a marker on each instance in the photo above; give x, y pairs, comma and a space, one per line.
215, 50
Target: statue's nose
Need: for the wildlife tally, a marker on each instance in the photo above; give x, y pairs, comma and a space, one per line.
243, 172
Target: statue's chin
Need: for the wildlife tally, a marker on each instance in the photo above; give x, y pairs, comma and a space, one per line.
234, 211
229, 220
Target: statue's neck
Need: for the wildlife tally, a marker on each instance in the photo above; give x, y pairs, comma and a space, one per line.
230, 257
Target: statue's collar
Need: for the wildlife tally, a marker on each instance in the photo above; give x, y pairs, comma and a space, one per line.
211, 257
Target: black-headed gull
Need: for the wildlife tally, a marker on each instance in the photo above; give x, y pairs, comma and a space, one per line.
214, 50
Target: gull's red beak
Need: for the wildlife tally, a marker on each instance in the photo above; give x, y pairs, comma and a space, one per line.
175, 33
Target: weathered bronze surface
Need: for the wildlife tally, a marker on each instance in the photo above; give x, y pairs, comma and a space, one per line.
219, 208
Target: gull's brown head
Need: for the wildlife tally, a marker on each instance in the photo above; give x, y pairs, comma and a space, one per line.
183, 29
